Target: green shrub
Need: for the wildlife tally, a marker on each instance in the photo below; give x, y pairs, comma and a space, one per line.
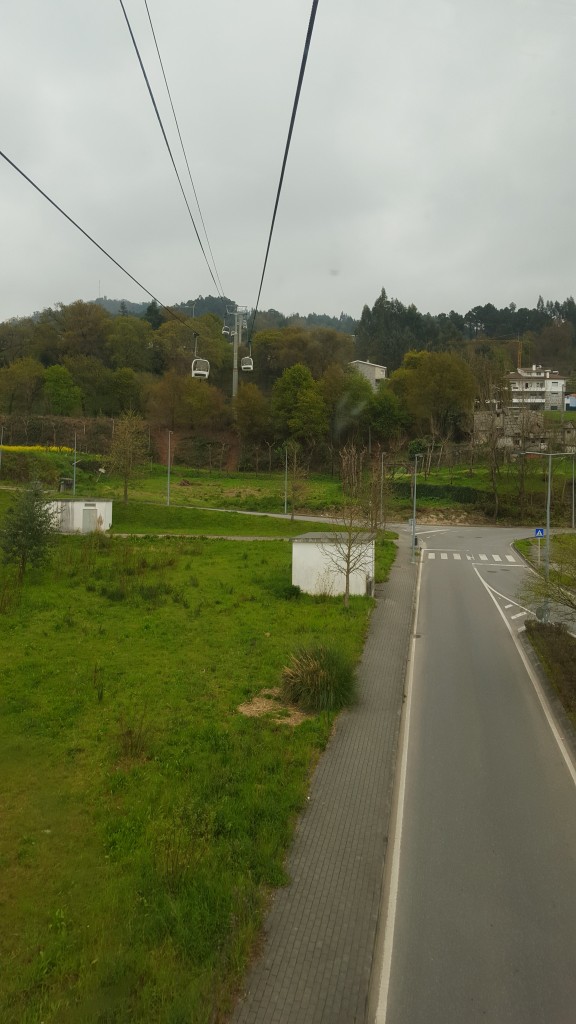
319, 679
442, 492
556, 648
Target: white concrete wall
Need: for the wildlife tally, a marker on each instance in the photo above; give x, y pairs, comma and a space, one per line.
82, 516
314, 571
373, 372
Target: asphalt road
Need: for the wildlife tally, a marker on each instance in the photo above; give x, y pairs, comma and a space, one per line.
482, 915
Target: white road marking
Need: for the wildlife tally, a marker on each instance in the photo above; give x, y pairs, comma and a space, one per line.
518, 615
457, 556
508, 605
535, 683
388, 917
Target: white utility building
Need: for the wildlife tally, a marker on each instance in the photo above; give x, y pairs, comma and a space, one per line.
82, 515
320, 561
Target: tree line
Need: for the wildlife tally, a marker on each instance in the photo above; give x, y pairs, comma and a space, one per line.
81, 361
545, 334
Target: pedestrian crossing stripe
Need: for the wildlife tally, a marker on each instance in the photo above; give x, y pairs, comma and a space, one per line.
457, 557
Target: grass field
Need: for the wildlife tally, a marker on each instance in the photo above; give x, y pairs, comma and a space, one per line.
142, 517
462, 487
145, 820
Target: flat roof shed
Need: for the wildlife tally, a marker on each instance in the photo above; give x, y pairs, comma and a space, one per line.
321, 562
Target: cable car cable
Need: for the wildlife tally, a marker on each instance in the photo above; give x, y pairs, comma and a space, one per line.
93, 240
286, 151
168, 146
182, 145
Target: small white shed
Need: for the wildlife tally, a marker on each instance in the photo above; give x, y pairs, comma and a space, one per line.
320, 561
82, 515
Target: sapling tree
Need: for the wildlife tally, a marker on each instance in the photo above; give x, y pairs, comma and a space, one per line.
28, 530
347, 551
129, 447
554, 584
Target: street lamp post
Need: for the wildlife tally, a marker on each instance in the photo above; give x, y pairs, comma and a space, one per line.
382, 489
572, 491
416, 457
550, 456
169, 461
548, 497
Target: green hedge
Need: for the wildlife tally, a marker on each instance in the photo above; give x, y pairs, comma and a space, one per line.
22, 467
449, 492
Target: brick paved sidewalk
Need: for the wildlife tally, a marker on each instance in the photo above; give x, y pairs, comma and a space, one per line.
321, 929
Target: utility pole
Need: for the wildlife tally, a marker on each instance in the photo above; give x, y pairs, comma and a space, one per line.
239, 314
169, 462
418, 455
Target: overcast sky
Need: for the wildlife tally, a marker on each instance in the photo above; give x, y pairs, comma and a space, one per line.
434, 152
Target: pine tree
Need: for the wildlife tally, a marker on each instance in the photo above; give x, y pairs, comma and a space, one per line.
28, 530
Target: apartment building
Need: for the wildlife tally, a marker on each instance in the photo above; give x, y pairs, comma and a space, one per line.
537, 388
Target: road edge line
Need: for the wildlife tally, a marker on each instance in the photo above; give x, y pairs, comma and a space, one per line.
544, 703
384, 944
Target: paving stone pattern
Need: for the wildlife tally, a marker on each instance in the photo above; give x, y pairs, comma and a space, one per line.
321, 929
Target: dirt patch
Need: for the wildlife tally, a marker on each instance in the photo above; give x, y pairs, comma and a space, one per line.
268, 703
456, 518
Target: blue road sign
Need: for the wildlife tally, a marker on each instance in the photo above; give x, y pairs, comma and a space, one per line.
539, 531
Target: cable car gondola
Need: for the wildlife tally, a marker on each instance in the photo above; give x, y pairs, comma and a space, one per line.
201, 368
246, 364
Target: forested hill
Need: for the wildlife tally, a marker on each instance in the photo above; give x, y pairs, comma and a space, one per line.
545, 334
82, 360
265, 320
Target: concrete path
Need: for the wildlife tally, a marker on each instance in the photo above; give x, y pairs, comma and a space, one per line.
321, 929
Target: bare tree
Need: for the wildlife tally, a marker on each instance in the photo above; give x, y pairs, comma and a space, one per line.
348, 549
129, 447
297, 474
352, 461
554, 584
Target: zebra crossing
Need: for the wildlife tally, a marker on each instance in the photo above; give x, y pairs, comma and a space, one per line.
456, 556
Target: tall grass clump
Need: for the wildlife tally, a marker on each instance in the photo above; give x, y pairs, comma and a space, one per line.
319, 678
